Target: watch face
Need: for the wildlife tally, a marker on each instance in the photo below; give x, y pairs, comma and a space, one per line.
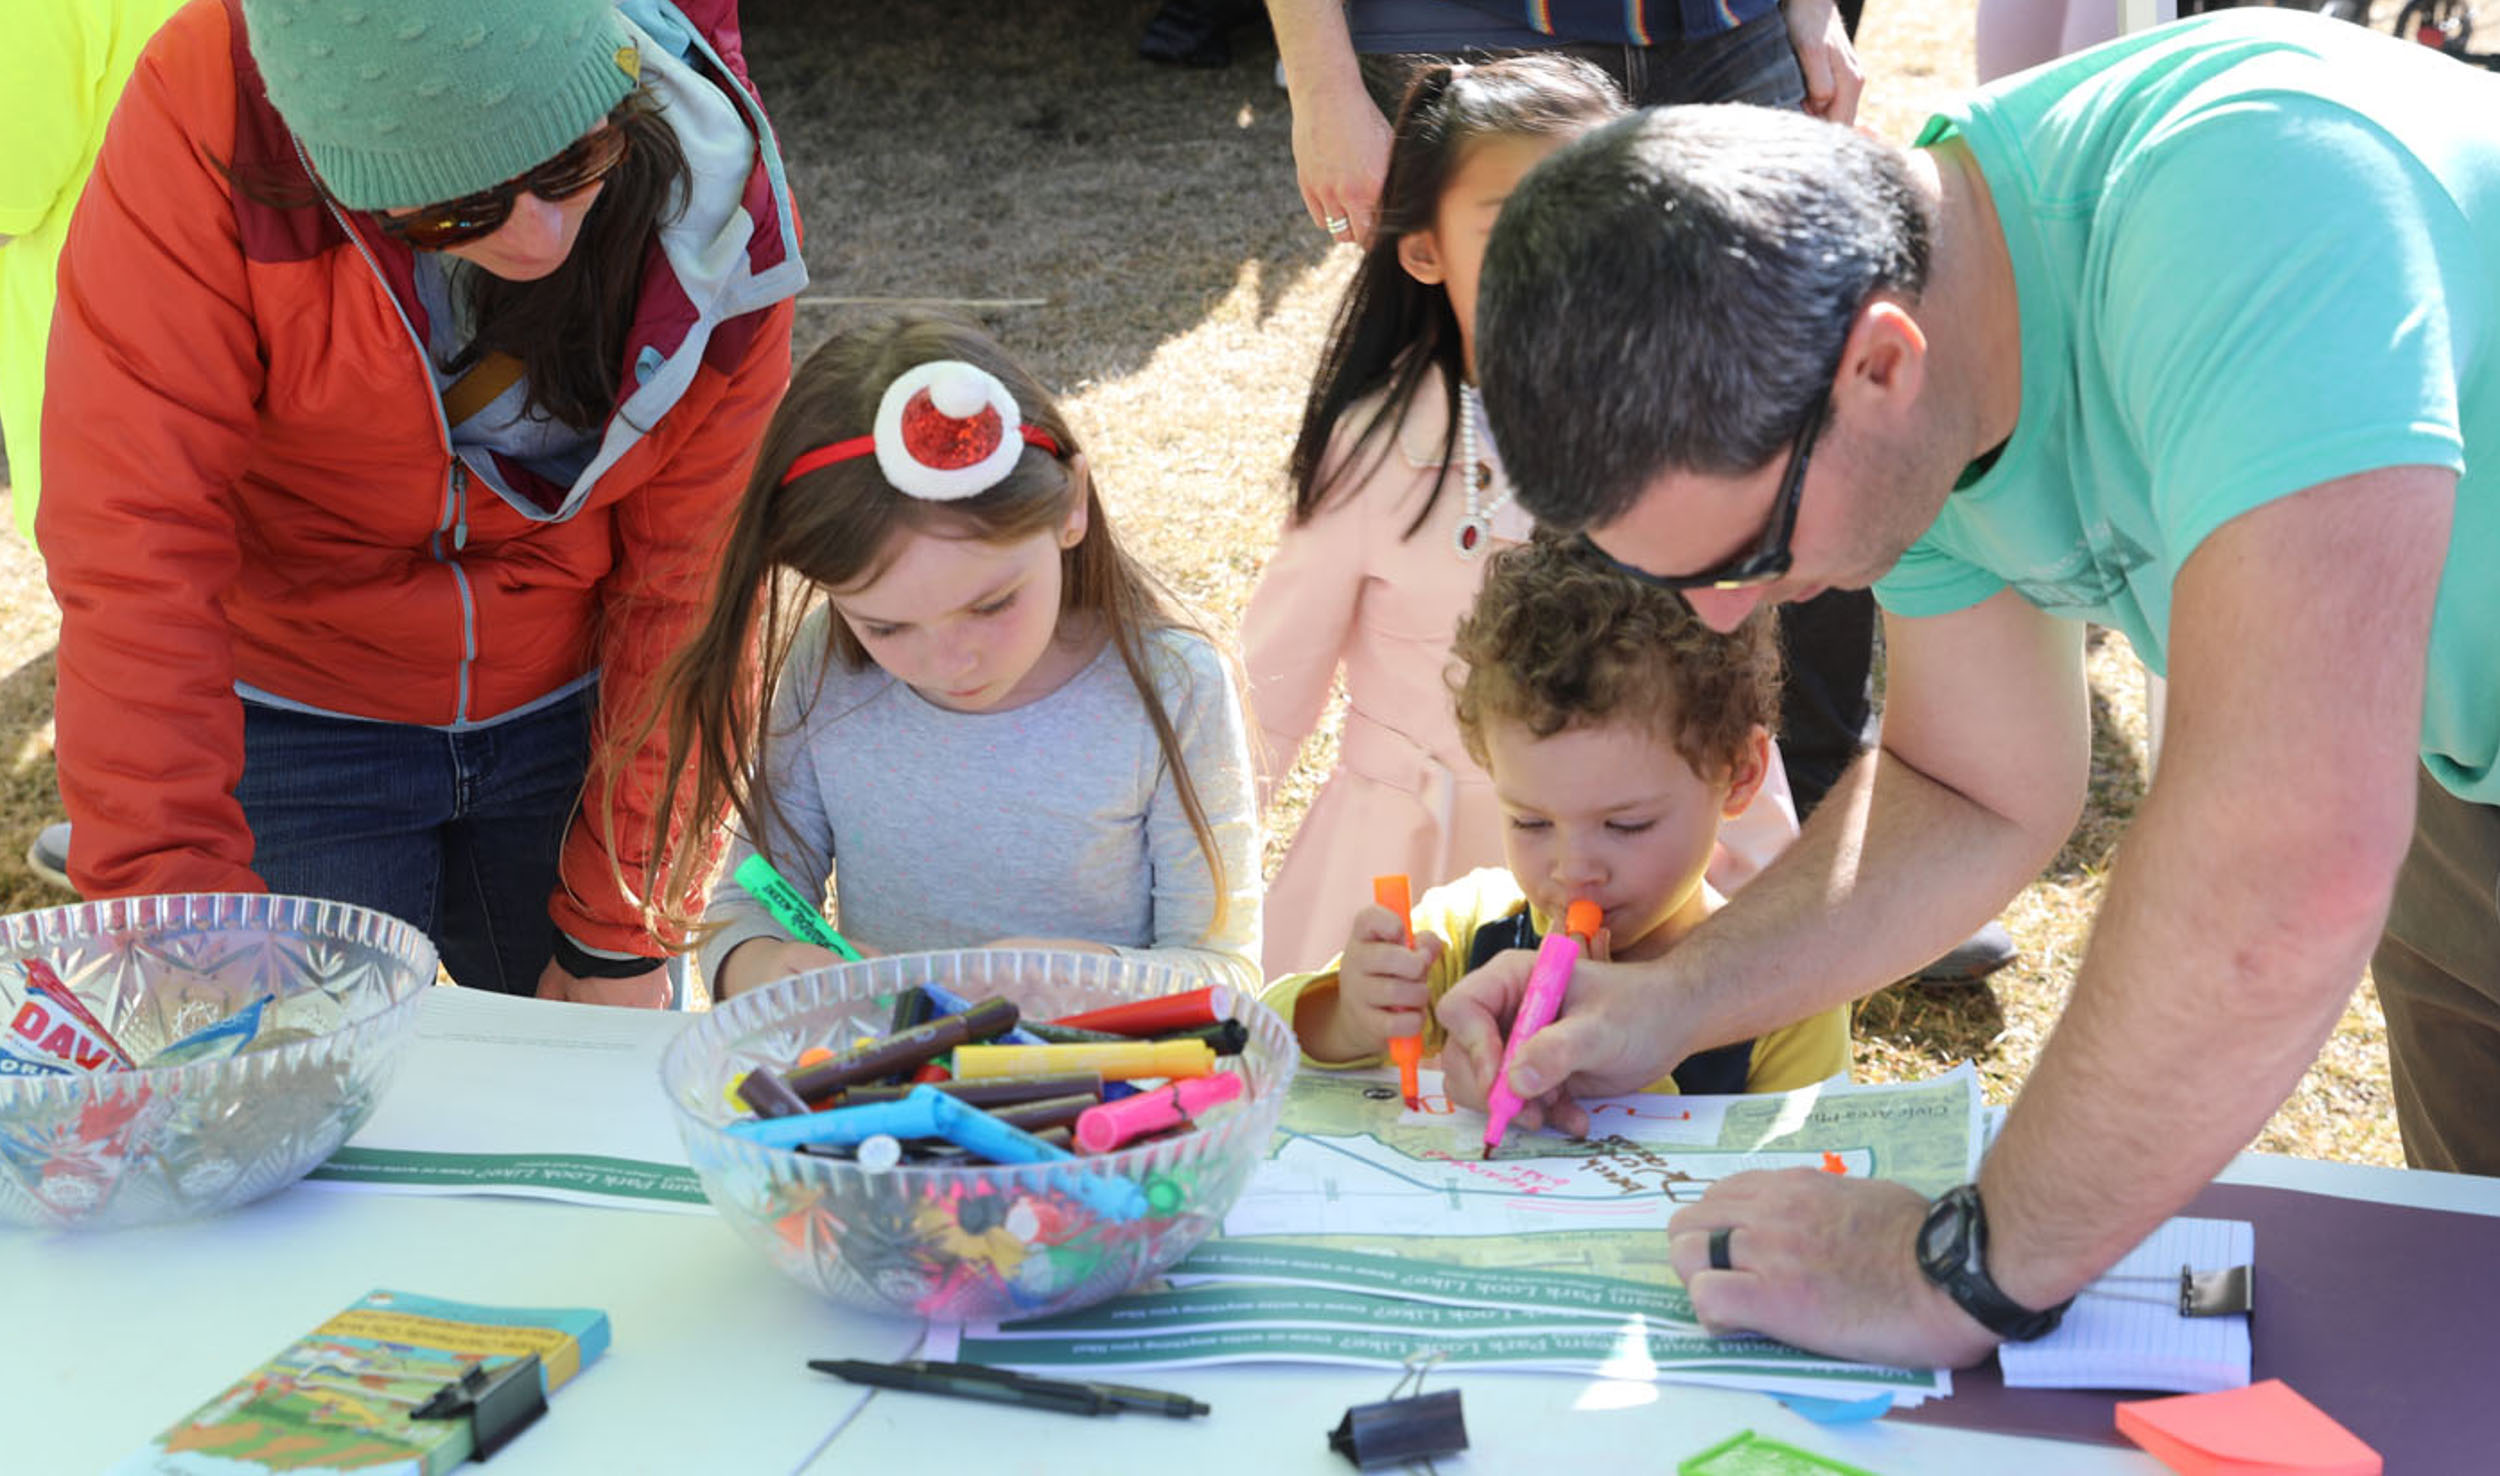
1939, 1239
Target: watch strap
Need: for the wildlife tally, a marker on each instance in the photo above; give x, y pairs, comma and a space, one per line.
1952, 1252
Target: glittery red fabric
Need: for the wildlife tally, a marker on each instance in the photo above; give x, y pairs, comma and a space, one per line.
942, 443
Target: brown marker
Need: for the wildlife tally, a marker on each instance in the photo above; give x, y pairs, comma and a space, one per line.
996, 1091
769, 1095
1050, 1112
883, 1057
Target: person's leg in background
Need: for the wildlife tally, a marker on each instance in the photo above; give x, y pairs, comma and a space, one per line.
519, 784
2009, 36
1198, 33
347, 810
2438, 974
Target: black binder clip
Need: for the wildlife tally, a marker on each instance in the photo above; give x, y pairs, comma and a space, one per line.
498, 1403
2222, 1293
1398, 1430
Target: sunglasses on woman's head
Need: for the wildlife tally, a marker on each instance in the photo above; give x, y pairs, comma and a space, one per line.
584, 163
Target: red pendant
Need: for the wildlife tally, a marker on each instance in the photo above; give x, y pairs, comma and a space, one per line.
1467, 538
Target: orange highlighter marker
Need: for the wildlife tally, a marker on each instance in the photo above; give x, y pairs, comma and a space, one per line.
1397, 894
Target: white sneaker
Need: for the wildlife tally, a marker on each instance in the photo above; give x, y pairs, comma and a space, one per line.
49, 854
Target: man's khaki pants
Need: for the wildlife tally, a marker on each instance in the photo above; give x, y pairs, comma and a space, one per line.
2438, 975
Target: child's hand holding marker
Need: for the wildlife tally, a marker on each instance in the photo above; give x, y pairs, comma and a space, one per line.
1383, 985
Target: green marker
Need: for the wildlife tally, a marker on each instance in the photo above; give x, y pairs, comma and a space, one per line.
788, 908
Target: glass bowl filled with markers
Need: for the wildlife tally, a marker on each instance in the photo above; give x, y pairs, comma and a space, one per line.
979, 1135
172, 1056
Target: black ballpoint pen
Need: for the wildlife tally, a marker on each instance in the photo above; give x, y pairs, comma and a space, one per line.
1005, 1386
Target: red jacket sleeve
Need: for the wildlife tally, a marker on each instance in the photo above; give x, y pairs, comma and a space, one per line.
154, 373
669, 535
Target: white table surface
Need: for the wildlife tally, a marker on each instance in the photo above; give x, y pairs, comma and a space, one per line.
113, 1336
107, 1338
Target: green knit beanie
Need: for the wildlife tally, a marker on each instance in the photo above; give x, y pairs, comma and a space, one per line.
418, 101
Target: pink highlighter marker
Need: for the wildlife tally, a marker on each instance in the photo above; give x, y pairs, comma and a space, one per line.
1547, 983
1101, 1129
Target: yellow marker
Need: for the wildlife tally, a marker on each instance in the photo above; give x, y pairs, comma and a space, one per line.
1124, 1060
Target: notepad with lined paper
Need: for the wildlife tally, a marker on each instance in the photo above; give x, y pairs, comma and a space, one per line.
2125, 1331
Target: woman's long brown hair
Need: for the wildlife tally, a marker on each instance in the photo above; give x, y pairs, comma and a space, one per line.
569, 327
839, 527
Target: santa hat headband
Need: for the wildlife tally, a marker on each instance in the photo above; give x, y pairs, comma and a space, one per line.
946, 430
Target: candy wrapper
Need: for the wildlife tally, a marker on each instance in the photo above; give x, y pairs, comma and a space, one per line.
50, 1032
218, 1041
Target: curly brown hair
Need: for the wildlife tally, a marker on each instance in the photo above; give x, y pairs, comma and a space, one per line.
1560, 640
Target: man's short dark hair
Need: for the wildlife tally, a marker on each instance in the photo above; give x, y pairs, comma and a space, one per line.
1670, 293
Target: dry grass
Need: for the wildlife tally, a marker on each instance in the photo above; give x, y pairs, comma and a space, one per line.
958, 149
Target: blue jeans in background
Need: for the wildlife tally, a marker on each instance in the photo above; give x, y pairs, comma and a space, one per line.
456, 833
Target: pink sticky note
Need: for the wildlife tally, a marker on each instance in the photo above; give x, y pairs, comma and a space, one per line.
2265, 1429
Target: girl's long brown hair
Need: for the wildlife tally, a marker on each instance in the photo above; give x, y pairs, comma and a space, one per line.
836, 528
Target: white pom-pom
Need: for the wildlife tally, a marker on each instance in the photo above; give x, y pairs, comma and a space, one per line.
959, 391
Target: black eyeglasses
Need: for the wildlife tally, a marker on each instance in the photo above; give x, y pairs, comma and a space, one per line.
1768, 559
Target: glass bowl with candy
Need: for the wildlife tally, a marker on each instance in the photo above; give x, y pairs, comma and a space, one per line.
172, 1056
983, 1134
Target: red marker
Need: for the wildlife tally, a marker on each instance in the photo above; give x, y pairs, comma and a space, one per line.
1159, 1016
1397, 894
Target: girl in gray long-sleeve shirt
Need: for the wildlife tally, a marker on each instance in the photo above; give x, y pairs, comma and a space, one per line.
997, 731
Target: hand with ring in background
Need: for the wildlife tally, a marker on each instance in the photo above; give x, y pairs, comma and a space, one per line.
1822, 1261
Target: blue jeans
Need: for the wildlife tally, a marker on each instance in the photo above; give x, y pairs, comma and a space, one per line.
456, 833
1751, 64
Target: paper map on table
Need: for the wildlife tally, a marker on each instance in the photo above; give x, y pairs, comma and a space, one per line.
1355, 1187
1373, 1232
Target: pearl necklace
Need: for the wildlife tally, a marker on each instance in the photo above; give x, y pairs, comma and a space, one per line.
1476, 476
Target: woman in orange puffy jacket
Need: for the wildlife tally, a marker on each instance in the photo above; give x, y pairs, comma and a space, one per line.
407, 363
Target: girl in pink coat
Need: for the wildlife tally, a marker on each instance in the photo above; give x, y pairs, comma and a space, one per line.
1398, 498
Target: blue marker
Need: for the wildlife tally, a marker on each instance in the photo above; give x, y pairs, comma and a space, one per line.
927, 1112
843, 1127
951, 1003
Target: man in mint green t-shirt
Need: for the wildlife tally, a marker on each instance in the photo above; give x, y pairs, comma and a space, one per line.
2194, 335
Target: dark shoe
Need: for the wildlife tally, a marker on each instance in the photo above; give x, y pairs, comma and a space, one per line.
49, 855
1973, 959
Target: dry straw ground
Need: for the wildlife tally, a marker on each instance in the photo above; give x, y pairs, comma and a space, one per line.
1137, 237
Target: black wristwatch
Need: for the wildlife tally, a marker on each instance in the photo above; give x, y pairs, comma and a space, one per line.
1953, 1251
